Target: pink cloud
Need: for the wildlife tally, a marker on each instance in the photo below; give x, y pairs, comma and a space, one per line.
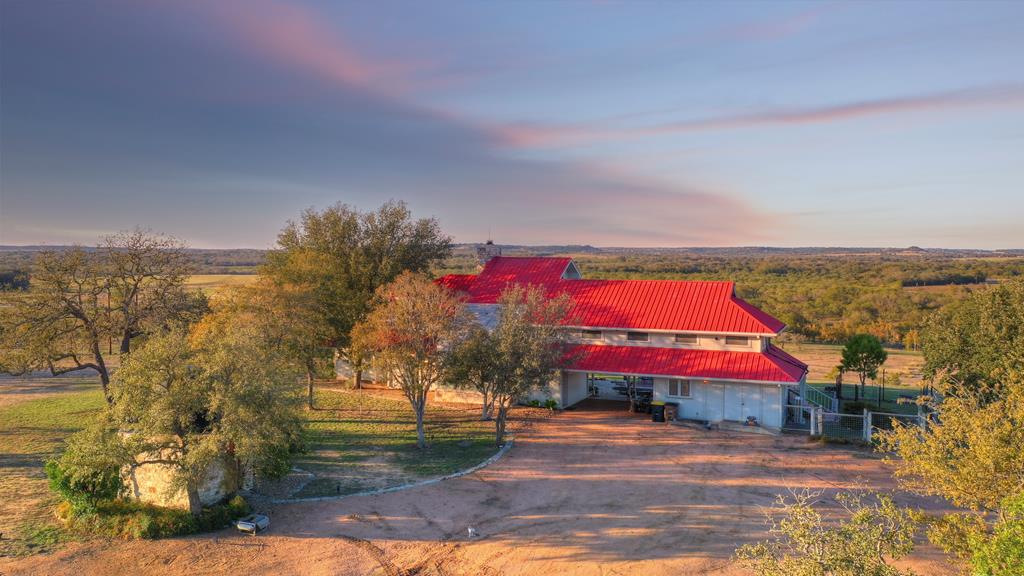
297, 37
530, 135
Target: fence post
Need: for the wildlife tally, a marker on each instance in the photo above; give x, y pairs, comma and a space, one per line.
867, 425
814, 421
819, 420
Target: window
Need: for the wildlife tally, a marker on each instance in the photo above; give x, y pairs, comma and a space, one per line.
591, 335
637, 336
679, 388
686, 339
737, 341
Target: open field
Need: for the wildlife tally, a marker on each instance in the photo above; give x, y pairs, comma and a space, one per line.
822, 358
587, 492
35, 417
216, 281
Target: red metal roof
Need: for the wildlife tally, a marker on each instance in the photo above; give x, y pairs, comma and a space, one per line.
501, 271
676, 305
685, 363
457, 282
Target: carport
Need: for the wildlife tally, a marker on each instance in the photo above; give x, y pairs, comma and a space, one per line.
710, 386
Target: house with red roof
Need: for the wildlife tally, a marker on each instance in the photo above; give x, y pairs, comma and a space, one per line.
694, 345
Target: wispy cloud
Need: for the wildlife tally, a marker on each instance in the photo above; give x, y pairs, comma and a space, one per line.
529, 135
297, 36
188, 163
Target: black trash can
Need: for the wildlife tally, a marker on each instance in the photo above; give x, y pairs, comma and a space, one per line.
658, 413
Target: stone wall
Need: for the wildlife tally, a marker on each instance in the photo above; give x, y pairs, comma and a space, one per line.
151, 483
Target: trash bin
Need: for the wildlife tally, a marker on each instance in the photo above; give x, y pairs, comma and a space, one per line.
658, 413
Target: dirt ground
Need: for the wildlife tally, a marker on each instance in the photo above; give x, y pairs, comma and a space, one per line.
590, 491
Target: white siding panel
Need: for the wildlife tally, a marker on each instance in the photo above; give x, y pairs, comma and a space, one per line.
575, 388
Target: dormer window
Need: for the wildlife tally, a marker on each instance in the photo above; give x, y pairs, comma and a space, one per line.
737, 341
638, 336
591, 335
686, 339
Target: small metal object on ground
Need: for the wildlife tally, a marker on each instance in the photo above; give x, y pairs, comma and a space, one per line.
253, 523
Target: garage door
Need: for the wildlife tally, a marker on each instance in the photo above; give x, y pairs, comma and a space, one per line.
734, 402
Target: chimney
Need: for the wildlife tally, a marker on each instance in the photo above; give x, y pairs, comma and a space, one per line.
486, 251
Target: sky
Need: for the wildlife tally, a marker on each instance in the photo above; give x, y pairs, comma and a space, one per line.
602, 123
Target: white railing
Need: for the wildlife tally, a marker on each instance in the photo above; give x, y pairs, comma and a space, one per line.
819, 398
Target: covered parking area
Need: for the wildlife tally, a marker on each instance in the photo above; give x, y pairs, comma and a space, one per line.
704, 385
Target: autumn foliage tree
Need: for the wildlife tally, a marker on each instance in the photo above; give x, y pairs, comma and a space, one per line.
414, 326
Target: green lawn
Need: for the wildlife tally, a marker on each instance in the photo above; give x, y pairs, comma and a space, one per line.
358, 441
870, 398
31, 432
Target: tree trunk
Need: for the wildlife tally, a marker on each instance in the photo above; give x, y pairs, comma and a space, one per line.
487, 408
126, 341
421, 439
309, 385
97, 355
499, 423
359, 379
195, 506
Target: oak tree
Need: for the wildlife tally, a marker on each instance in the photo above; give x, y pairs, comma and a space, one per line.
81, 301
342, 256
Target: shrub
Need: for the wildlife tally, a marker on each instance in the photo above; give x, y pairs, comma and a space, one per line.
137, 520
84, 491
551, 404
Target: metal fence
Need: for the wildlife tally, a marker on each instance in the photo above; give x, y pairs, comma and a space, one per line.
847, 427
798, 417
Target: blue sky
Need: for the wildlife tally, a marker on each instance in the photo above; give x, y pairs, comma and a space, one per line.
605, 123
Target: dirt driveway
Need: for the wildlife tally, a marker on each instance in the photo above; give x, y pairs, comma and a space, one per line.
591, 491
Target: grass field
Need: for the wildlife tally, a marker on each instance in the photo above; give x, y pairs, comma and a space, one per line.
216, 281
32, 430
361, 440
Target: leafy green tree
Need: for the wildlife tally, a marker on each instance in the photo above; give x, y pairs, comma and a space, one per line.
970, 455
415, 326
287, 314
474, 365
221, 394
1002, 552
970, 452
874, 532
82, 301
530, 346
977, 341
342, 256
864, 355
